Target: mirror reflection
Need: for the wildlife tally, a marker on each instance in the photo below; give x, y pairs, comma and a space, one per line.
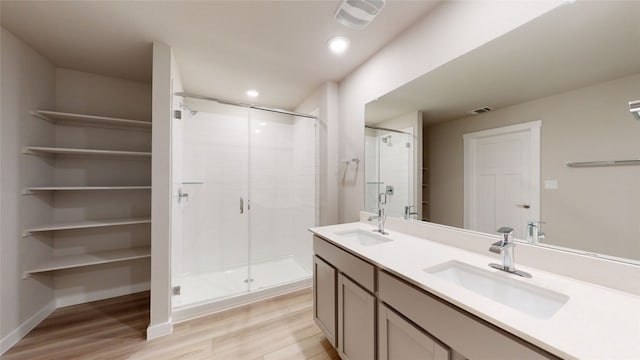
391, 155
534, 130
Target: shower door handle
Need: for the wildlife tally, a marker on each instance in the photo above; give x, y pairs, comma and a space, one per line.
182, 195
241, 205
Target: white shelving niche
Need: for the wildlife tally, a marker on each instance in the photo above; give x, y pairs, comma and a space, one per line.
110, 188
53, 151
81, 260
64, 118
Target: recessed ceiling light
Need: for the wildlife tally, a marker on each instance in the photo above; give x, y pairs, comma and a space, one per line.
252, 93
338, 44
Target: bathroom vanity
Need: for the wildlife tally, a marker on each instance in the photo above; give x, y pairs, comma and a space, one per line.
408, 297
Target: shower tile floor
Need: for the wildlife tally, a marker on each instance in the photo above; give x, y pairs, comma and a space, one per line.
201, 288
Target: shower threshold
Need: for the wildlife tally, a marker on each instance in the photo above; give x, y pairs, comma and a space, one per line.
206, 293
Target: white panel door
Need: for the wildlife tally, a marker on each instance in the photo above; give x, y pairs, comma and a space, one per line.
502, 179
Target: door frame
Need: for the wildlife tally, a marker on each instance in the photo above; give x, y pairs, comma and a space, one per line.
470, 139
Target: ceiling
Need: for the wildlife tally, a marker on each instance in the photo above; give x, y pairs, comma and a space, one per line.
573, 46
223, 48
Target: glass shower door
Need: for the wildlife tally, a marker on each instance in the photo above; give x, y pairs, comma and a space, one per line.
245, 194
395, 171
389, 179
371, 170
212, 202
283, 173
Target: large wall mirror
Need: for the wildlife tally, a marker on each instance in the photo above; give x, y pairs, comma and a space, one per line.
552, 148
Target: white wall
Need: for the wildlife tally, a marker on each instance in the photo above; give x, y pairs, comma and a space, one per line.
28, 82
451, 29
166, 81
85, 93
325, 102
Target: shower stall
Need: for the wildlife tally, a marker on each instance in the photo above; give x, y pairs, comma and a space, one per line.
389, 169
244, 184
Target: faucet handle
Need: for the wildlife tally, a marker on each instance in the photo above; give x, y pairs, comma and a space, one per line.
496, 247
505, 230
507, 234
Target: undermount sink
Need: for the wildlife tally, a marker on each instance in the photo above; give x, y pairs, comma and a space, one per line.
365, 238
527, 298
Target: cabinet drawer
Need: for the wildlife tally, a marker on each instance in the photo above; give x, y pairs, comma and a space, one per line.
354, 267
467, 335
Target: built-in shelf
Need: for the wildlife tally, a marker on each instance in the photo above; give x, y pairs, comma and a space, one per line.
43, 150
102, 257
85, 225
30, 190
63, 118
604, 163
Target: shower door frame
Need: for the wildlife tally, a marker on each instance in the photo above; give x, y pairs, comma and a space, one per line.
188, 311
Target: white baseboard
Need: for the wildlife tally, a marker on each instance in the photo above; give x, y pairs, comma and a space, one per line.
81, 298
156, 331
8, 341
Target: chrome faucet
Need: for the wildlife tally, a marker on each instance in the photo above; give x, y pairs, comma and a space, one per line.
534, 235
408, 213
505, 248
381, 219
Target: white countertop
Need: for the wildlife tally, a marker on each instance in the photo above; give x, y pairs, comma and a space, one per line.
595, 323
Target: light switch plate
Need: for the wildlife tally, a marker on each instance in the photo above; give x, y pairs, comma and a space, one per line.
551, 184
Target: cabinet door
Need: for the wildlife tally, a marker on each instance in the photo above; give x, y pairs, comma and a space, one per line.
400, 340
324, 298
356, 321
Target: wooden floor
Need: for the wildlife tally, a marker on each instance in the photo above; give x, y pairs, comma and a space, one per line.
277, 328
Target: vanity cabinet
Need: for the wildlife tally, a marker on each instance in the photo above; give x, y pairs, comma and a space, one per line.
469, 336
368, 313
349, 303
399, 339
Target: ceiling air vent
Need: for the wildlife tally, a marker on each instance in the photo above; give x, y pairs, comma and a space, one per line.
481, 110
357, 14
